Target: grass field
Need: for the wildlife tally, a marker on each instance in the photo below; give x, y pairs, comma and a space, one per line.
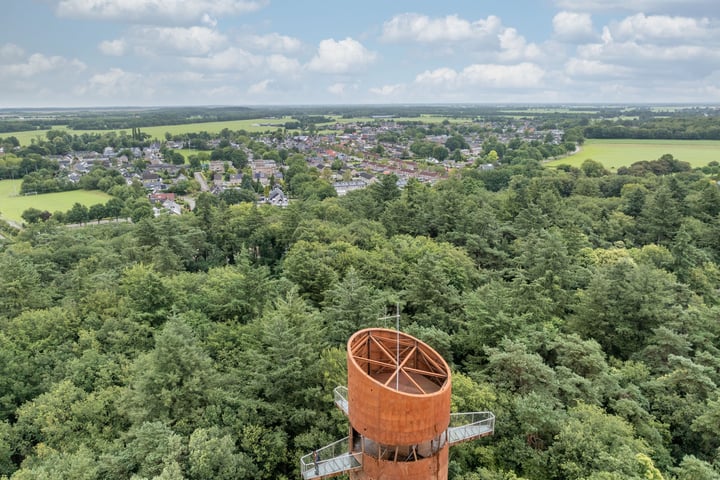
254, 125
12, 205
614, 154
251, 126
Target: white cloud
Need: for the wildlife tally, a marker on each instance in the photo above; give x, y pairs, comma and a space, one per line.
189, 41
10, 52
156, 11
342, 56
514, 47
230, 59
440, 76
661, 27
649, 52
113, 48
389, 90
486, 38
273, 42
178, 41
573, 27
421, 28
522, 75
576, 67
283, 65
632, 53
115, 83
337, 88
259, 87
38, 64
654, 6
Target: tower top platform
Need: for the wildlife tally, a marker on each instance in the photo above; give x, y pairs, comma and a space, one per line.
398, 361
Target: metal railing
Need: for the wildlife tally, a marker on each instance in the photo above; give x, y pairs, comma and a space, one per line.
470, 425
334, 459
340, 395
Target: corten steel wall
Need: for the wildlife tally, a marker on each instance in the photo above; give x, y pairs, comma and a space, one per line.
389, 417
432, 468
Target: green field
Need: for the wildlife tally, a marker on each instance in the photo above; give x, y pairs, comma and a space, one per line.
614, 154
252, 126
12, 205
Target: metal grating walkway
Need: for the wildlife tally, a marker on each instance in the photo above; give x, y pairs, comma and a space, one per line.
340, 395
332, 467
467, 433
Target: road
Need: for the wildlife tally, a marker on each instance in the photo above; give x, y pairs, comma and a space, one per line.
201, 180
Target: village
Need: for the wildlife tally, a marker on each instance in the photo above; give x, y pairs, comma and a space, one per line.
350, 160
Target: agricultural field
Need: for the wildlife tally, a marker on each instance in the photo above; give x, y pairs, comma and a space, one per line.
251, 126
12, 204
614, 154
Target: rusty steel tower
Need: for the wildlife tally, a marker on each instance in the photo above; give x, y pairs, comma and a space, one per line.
398, 404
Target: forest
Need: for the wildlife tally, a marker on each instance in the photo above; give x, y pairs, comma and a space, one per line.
580, 306
683, 122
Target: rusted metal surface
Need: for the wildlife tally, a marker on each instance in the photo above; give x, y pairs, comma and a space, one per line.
435, 468
398, 403
399, 391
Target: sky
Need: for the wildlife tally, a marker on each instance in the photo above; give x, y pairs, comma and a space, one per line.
97, 53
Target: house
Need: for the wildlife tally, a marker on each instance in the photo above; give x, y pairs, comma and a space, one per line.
217, 166
168, 207
235, 179
172, 207
160, 197
277, 197
343, 188
154, 185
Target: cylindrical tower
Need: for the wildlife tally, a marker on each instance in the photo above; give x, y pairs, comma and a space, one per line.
398, 405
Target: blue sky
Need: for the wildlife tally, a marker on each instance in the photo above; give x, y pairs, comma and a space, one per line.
84, 53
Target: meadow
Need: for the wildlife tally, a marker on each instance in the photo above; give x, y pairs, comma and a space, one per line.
251, 126
12, 204
614, 154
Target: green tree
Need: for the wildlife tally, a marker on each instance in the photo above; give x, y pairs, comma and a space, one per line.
114, 207
213, 455
592, 442
622, 304
77, 214
32, 215
174, 383
97, 212
661, 217
22, 287
591, 168
6, 450
145, 293
350, 305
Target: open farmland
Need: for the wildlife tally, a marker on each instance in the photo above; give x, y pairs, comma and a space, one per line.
252, 125
614, 154
12, 205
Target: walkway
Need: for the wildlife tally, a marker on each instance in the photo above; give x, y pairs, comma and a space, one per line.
468, 432
332, 467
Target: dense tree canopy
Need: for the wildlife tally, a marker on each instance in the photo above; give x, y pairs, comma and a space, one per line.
580, 306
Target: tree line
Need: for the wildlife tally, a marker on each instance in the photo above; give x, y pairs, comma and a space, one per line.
579, 306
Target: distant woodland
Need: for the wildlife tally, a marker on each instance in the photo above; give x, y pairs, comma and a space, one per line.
580, 306
690, 122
